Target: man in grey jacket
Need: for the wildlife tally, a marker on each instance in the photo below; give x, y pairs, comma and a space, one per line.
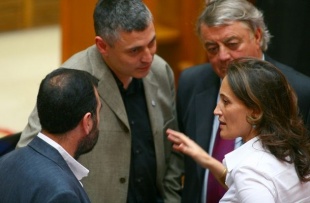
136, 88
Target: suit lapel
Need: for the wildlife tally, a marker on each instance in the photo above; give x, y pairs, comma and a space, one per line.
205, 103
156, 119
49, 152
109, 93
107, 87
151, 97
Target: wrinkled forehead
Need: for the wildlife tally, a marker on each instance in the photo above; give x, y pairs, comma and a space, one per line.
224, 24
224, 31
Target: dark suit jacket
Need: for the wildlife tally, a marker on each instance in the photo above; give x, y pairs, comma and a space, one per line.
38, 173
196, 99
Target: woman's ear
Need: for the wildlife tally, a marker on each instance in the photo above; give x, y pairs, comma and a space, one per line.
256, 114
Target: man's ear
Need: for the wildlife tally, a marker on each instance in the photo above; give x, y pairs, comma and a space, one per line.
258, 36
87, 122
102, 45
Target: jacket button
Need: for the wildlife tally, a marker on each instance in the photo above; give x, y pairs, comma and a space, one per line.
122, 180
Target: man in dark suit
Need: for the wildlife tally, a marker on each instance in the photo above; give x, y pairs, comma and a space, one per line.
46, 169
228, 29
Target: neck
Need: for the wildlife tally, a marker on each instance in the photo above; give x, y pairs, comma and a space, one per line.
126, 82
64, 140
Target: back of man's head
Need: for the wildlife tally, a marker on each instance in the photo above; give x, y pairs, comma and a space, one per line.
65, 95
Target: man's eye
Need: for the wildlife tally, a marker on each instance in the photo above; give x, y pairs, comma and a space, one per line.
212, 50
135, 50
233, 46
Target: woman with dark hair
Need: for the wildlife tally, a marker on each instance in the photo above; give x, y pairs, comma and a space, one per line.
273, 165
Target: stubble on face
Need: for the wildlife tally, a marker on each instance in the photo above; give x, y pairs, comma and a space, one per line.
88, 142
132, 54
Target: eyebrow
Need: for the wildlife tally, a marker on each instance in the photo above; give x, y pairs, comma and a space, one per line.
153, 39
138, 47
231, 38
223, 96
226, 40
210, 42
207, 44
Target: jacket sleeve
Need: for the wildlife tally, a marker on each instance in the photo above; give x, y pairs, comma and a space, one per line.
32, 128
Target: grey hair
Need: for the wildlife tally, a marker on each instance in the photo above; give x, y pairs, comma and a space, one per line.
113, 16
224, 12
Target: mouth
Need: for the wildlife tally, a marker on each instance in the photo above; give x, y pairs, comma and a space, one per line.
144, 68
222, 123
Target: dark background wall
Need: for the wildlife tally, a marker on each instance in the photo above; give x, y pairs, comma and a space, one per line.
289, 24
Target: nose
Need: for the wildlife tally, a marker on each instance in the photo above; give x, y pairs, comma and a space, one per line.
217, 111
147, 56
224, 53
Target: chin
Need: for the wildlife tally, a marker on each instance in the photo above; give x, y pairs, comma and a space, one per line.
141, 74
224, 136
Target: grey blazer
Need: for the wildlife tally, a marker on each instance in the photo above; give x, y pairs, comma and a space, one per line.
38, 173
109, 161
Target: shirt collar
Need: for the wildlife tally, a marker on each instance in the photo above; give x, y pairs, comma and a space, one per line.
134, 86
78, 169
233, 158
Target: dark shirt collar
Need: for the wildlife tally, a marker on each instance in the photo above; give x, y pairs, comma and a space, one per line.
134, 85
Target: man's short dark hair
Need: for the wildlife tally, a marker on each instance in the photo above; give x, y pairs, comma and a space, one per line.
65, 96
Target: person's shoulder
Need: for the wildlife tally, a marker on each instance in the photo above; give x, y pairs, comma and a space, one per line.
89, 60
89, 51
254, 157
290, 73
159, 65
160, 70
84, 59
42, 173
299, 81
29, 164
197, 76
158, 61
14, 157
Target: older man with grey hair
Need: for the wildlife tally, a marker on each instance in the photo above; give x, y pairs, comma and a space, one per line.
228, 29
